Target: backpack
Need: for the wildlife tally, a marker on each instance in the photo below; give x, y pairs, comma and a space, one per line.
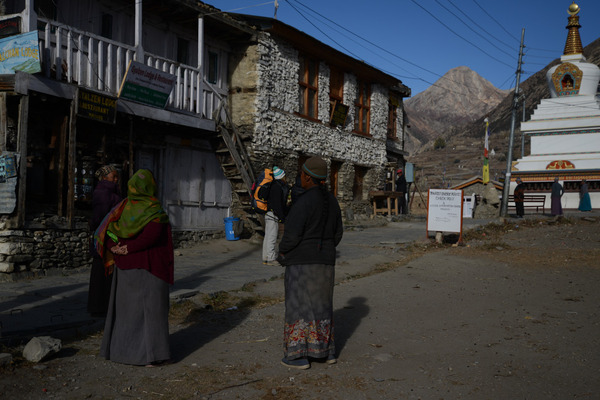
260, 191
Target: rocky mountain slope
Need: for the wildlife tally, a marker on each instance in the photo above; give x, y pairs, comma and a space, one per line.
459, 97
462, 157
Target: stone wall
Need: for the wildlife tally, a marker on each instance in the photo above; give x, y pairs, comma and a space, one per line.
46, 243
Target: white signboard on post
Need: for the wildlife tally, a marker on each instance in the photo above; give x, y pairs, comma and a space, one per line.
444, 210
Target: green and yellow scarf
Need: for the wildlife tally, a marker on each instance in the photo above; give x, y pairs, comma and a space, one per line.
141, 206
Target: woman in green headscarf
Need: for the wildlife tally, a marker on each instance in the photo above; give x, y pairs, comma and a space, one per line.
137, 233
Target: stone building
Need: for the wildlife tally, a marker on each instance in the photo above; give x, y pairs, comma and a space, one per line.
72, 107
292, 97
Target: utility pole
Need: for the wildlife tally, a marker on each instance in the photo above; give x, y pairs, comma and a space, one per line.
515, 103
522, 134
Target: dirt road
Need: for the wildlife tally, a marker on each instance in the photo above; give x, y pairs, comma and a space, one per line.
513, 314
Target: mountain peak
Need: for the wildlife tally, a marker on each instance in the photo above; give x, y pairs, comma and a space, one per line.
460, 96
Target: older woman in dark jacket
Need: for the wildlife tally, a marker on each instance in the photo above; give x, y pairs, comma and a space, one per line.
105, 197
313, 229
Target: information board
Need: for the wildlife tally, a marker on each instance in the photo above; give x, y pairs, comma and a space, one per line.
444, 210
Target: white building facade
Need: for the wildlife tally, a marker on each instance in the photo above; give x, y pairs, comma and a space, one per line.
565, 129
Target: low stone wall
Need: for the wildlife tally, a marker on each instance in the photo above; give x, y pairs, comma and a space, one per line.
45, 243
47, 246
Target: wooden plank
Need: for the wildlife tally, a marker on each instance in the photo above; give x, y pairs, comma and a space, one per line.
22, 150
72, 154
62, 155
7, 83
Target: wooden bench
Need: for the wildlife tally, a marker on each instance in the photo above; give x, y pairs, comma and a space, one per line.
536, 201
389, 200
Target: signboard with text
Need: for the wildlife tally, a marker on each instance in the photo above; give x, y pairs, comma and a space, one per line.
444, 210
20, 53
96, 106
147, 85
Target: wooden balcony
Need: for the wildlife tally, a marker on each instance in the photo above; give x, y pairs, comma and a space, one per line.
94, 62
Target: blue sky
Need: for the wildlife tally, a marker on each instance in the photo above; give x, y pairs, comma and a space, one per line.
418, 41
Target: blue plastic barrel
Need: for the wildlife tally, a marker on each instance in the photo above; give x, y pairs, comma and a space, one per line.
229, 232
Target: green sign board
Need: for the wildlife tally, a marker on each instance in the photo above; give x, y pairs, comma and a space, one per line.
147, 85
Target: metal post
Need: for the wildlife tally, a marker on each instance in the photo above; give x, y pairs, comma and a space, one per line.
522, 134
139, 48
505, 191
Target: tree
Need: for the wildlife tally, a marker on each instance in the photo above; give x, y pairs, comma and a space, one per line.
439, 143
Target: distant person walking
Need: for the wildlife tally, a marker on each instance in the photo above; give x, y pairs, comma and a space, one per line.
401, 187
555, 197
137, 234
585, 203
106, 195
313, 229
519, 196
277, 206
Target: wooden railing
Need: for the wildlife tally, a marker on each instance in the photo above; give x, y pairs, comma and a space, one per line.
98, 63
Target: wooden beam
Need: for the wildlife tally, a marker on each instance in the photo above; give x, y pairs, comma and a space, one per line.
22, 150
131, 153
3, 121
62, 156
72, 160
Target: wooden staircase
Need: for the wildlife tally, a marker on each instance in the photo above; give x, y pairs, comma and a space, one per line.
232, 154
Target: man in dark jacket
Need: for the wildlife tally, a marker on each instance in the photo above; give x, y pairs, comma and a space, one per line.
519, 196
401, 187
313, 229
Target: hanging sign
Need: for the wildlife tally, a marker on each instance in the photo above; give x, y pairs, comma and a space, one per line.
444, 210
20, 53
9, 27
147, 85
96, 106
339, 114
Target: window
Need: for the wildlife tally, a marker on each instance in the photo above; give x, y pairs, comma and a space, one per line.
308, 81
213, 67
183, 50
107, 26
392, 118
336, 88
361, 108
334, 175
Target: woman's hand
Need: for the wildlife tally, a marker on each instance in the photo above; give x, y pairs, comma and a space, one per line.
119, 249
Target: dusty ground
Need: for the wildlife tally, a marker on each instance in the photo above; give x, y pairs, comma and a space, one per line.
513, 314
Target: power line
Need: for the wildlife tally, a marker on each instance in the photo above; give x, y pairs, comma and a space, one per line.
386, 51
496, 21
479, 26
471, 29
463, 38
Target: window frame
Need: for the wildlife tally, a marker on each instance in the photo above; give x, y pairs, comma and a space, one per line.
392, 128
307, 89
362, 107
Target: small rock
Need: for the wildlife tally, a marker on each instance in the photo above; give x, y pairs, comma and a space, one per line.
40, 347
40, 367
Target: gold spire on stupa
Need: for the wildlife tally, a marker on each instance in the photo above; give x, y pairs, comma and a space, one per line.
573, 45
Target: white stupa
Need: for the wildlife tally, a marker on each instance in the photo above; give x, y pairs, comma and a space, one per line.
565, 129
